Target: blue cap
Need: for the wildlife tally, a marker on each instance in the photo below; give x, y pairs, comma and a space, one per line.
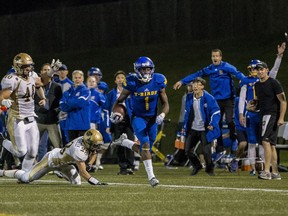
63, 67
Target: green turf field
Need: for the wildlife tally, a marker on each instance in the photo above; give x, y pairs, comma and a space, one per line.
178, 194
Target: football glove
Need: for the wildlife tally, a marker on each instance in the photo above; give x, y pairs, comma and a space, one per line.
160, 118
116, 117
7, 103
55, 65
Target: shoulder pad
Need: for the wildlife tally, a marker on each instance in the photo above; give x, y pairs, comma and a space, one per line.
160, 79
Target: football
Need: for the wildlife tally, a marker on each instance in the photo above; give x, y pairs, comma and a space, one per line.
120, 108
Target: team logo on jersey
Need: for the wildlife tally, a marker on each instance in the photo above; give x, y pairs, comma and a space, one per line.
220, 72
146, 90
77, 94
145, 93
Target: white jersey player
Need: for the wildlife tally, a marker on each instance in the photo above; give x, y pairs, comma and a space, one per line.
18, 90
63, 160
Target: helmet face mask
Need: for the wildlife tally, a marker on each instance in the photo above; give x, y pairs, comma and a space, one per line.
23, 64
251, 67
93, 140
94, 71
144, 68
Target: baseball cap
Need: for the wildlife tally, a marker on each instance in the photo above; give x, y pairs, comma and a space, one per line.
261, 64
63, 67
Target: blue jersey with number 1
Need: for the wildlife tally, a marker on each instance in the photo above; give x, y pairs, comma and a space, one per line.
144, 96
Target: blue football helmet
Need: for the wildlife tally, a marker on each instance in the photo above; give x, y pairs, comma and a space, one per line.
144, 62
94, 71
252, 65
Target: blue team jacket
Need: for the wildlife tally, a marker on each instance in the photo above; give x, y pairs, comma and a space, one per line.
221, 82
75, 102
210, 113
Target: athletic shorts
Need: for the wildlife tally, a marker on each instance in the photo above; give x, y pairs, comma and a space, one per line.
241, 136
269, 129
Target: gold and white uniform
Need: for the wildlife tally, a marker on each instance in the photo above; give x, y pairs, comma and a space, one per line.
21, 124
61, 160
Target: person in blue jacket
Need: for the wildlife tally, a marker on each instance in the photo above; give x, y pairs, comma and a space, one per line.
222, 88
201, 124
75, 101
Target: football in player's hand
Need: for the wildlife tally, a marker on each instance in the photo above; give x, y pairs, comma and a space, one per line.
252, 105
120, 108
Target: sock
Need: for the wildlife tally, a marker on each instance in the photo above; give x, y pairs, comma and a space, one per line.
27, 164
13, 173
128, 143
98, 159
261, 152
252, 153
149, 168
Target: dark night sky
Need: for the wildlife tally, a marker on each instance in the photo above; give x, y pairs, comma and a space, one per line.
24, 6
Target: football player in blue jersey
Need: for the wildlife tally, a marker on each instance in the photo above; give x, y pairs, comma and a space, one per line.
145, 88
222, 88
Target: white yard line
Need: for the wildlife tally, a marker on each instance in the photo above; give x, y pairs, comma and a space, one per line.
167, 186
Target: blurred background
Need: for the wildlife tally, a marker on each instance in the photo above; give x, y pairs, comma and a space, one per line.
178, 35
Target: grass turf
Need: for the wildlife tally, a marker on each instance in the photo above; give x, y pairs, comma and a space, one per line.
178, 194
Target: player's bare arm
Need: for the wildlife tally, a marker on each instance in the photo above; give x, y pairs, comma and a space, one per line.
164, 101
177, 85
283, 106
124, 94
82, 170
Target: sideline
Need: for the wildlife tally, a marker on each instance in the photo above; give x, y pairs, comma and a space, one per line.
165, 186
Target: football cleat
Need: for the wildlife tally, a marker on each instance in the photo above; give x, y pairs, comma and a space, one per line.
119, 140
153, 182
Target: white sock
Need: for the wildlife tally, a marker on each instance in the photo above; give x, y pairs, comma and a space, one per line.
27, 164
252, 153
149, 168
261, 152
13, 173
7, 144
128, 143
98, 159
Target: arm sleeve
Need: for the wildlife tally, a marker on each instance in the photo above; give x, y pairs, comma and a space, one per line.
274, 71
242, 99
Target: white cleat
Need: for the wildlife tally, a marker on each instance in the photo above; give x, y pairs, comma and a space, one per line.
154, 182
119, 140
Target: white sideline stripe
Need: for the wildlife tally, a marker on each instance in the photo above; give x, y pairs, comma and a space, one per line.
170, 186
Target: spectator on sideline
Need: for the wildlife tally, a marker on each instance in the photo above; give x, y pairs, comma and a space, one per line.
97, 100
222, 88
125, 155
145, 88
65, 83
272, 105
75, 102
48, 115
202, 116
251, 120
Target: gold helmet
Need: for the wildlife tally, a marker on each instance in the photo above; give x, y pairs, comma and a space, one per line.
93, 140
21, 61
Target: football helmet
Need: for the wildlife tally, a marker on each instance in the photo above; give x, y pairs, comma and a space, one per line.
141, 63
94, 71
252, 65
21, 61
93, 140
